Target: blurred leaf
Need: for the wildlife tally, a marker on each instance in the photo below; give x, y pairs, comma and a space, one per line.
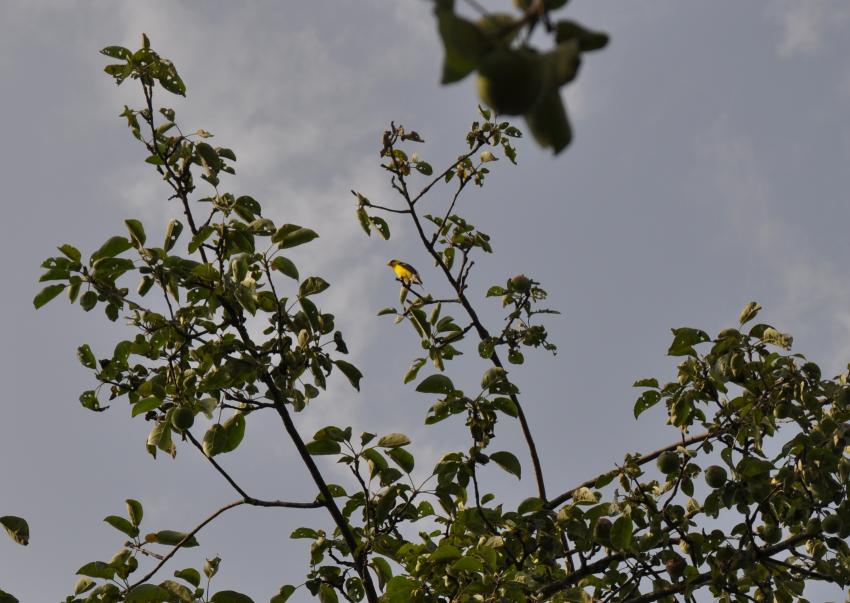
312, 285
97, 569
134, 511
549, 124
464, 45
322, 447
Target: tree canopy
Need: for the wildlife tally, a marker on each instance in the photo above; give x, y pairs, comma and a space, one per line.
749, 504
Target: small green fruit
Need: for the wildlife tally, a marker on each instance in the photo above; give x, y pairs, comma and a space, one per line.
667, 462
602, 530
520, 283
770, 533
831, 524
675, 566
182, 418
715, 476
510, 81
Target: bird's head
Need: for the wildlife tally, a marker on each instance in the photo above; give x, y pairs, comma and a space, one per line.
393, 263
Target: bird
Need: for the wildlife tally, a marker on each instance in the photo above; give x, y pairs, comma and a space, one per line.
405, 272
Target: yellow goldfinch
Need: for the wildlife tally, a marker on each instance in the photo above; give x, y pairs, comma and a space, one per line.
405, 272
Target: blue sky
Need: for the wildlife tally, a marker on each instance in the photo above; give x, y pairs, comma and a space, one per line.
709, 168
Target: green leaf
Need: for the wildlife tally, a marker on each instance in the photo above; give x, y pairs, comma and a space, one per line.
464, 45
86, 357
446, 552
304, 533
468, 564
172, 233
208, 156
71, 252
327, 594
508, 462
215, 440
402, 458
183, 594
144, 405
381, 226
123, 525
684, 339
532, 504
134, 511
147, 593
112, 247
283, 595
17, 528
117, 52
230, 596
651, 382
351, 372
587, 40
46, 294
312, 285
292, 235
88, 300
411, 373
394, 440
137, 232
285, 266
749, 312
493, 376
382, 569
88, 399
97, 569
549, 124
621, 533
234, 431
171, 538
321, 447
647, 400
83, 584
436, 384
190, 575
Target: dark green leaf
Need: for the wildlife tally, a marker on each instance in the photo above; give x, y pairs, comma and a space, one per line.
684, 339
137, 232
508, 462
230, 596
549, 124
17, 528
285, 266
312, 285
86, 357
351, 372
122, 524
411, 373
178, 591
190, 575
134, 511
97, 569
46, 294
147, 593
436, 384
234, 431
291, 235
112, 247
647, 400
621, 533
464, 45
402, 458
71, 252
283, 595
323, 447
171, 538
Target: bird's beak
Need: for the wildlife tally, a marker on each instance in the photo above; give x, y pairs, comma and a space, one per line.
390, 263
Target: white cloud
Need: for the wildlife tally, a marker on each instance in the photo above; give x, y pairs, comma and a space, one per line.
805, 24
813, 289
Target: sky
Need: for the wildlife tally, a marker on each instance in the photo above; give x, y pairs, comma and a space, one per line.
708, 169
